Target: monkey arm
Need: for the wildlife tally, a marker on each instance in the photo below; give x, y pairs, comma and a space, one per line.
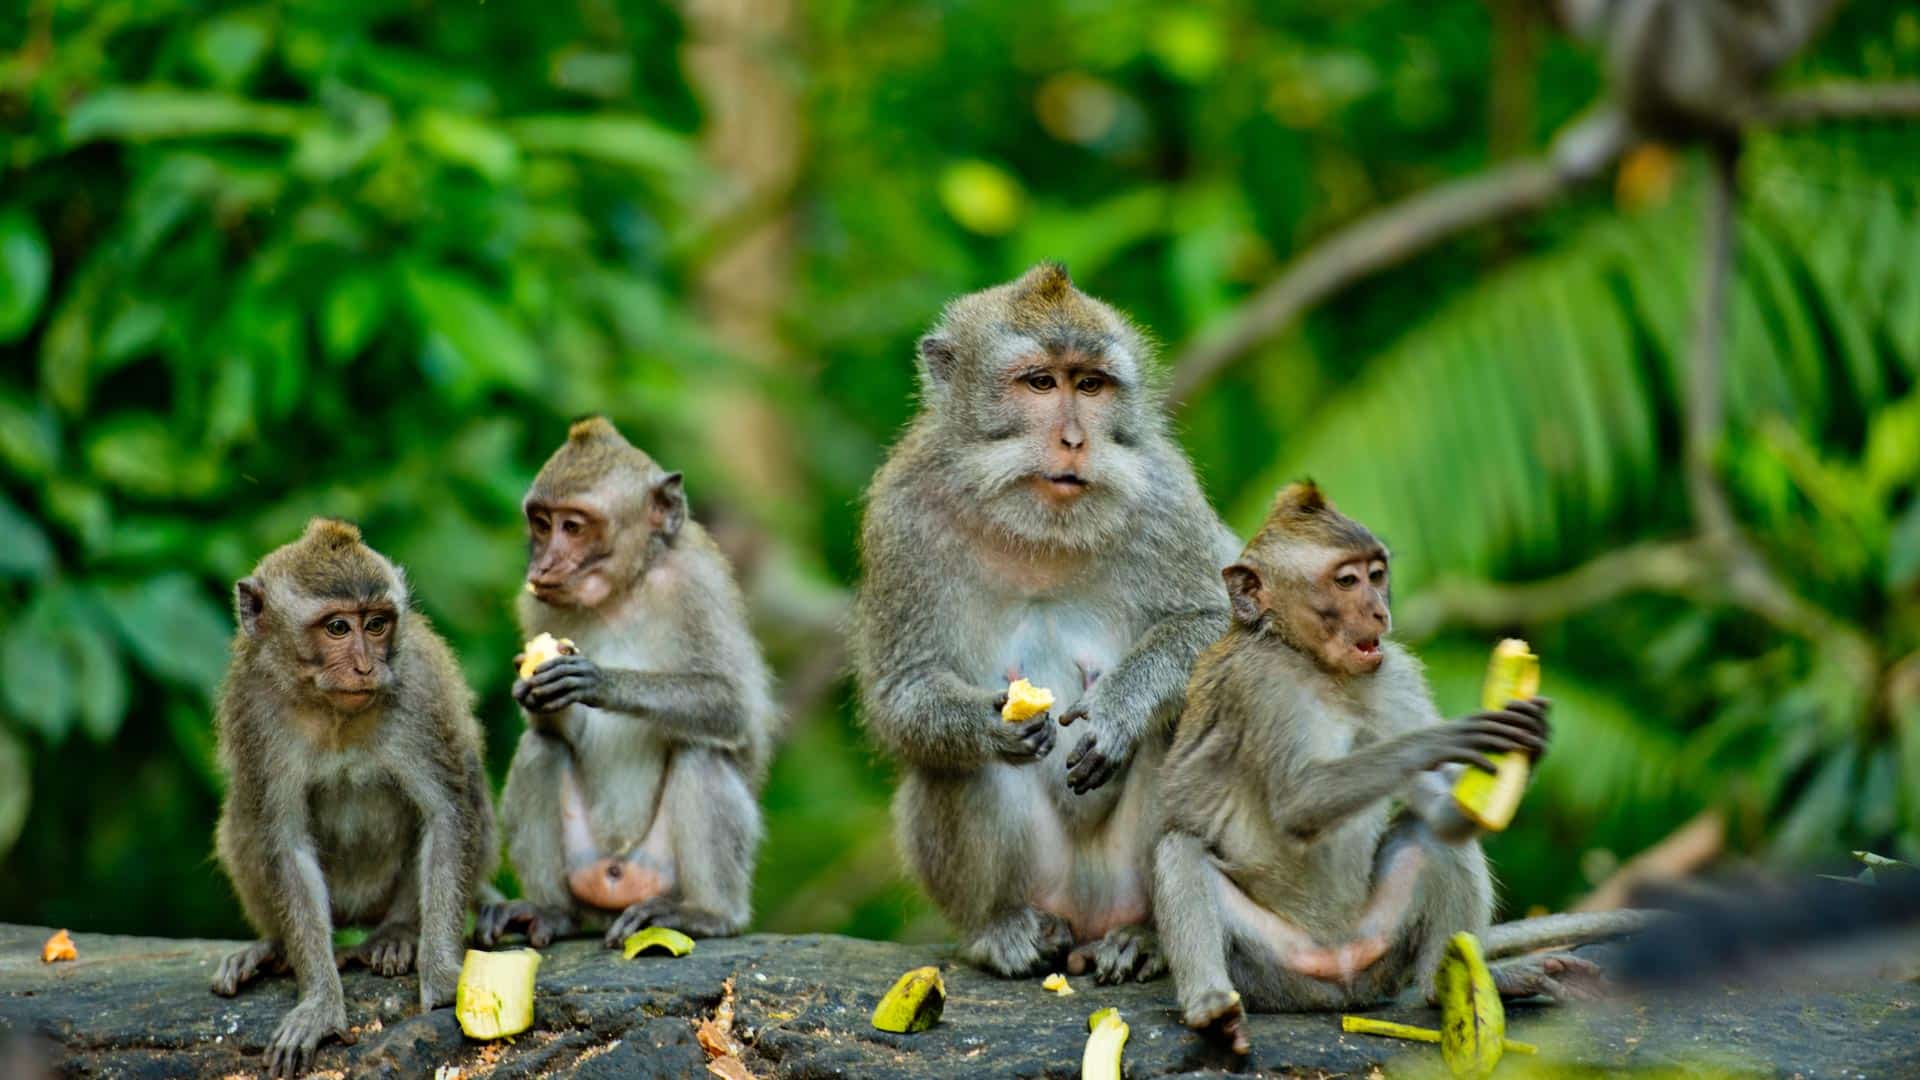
1320, 795
932, 719
444, 872
1151, 679
696, 706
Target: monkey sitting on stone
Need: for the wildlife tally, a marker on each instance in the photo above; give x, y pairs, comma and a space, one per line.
633, 795
355, 789
1285, 877
1036, 521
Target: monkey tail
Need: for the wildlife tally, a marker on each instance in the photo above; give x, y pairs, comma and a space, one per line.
1561, 931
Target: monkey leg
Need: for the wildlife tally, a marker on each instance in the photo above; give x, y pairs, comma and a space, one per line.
710, 822
977, 842
1557, 975
239, 968
1186, 906
530, 817
1398, 868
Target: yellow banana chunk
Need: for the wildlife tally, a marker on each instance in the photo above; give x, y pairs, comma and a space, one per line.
1057, 983
1101, 1061
1473, 1023
495, 996
1489, 799
542, 648
1367, 1025
1094, 1018
1025, 701
656, 939
914, 1004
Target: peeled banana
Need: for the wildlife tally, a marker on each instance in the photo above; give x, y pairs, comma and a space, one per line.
1025, 701
1101, 1060
914, 1004
1489, 799
494, 998
542, 648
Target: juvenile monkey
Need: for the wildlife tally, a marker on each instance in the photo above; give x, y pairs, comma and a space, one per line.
633, 796
355, 788
1282, 878
1036, 521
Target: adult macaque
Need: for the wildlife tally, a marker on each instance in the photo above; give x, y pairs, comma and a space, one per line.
355, 789
1036, 521
633, 796
1282, 879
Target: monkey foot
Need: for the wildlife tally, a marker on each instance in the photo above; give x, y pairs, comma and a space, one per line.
292, 1050
1560, 976
1219, 1012
1021, 944
542, 925
1337, 963
388, 950
1126, 952
240, 968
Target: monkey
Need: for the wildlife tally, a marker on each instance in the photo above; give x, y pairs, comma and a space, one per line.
1036, 520
1282, 878
356, 792
633, 796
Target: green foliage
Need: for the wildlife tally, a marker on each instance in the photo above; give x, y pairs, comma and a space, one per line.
265, 261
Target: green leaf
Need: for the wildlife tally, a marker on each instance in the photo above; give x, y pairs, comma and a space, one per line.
16, 789
139, 114
24, 548
173, 629
100, 681
356, 304
137, 454
463, 140
630, 142
487, 344
229, 48
1903, 550
35, 684
25, 265
29, 437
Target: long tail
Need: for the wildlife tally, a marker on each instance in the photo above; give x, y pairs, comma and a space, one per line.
1561, 931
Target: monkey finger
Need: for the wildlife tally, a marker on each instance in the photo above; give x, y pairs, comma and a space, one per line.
1477, 760
539, 932
1000, 702
1080, 959
1078, 712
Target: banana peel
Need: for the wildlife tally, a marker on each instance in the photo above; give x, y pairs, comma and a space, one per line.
1101, 1059
494, 999
914, 1004
1367, 1025
1473, 1023
1489, 799
1025, 701
656, 939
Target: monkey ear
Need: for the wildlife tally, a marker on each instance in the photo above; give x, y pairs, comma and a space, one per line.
669, 507
937, 359
1246, 592
249, 601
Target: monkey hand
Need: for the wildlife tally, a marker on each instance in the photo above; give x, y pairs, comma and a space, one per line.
291, 1051
1521, 726
1102, 753
560, 682
1029, 740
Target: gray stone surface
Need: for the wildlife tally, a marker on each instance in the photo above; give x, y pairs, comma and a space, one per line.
139, 1007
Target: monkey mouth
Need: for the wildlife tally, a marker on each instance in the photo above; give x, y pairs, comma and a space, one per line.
353, 700
1367, 647
1067, 484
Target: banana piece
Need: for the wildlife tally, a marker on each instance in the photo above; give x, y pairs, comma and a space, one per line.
1025, 701
1367, 1025
658, 939
1473, 1023
495, 996
1057, 983
1101, 1061
914, 1004
542, 648
1489, 799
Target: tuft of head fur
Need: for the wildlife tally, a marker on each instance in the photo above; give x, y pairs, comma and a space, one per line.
1302, 515
594, 454
331, 562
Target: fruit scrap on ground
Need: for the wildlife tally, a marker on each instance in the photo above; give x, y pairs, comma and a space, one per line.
1101, 1061
58, 947
659, 939
1057, 983
1366, 1025
1473, 1023
914, 1004
495, 995
1025, 701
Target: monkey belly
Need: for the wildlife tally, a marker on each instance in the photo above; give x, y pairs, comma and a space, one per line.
613, 884
612, 881
365, 834
1093, 876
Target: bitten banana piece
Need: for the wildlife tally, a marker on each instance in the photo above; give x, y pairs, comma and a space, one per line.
1101, 1060
1057, 983
656, 939
914, 1004
1473, 1023
1489, 799
541, 649
495, 995
1025, 701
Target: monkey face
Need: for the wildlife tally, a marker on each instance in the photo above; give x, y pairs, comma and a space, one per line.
570, 553
1346, 606
350, 646
1064, 404
1317, 580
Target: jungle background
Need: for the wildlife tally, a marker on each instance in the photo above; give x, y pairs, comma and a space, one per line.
367, 258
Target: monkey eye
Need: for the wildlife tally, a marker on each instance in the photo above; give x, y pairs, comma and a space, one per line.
570, 526
541, 525
1092, 384
338, 627
1042, 382
377, 625
1347, 580
1378, 577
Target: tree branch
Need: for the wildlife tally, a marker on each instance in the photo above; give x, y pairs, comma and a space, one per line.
1375, 242
1656, 566
1842, 101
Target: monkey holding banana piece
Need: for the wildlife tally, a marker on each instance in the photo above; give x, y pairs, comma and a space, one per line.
1035, 521
355, 789
633, 795
1282, 879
